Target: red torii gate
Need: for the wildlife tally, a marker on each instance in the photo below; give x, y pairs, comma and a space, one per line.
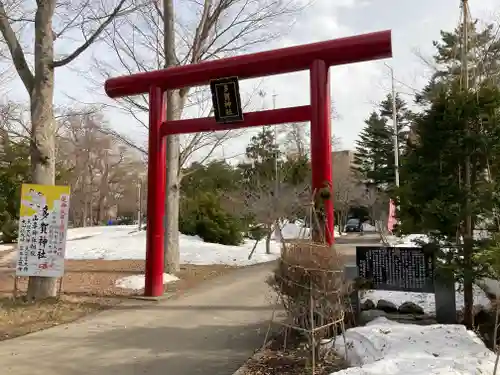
316, 57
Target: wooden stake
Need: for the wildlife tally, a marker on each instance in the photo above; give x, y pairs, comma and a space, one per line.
59, 289
313, 341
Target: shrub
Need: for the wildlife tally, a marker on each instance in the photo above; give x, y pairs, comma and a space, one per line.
203, 216
311, 272
125, 220
257, 232
8, 228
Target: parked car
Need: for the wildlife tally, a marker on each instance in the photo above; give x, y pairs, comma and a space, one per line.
354, 225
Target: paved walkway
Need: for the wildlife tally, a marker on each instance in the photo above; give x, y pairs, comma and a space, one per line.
211, 330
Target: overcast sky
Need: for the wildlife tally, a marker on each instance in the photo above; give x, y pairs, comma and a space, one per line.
355, 88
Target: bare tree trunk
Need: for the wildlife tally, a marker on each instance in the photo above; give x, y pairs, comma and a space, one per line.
174, 108
172, 253
175, 103
84, 213
101, 201
91, 196
43, 124
268, 239
40, 88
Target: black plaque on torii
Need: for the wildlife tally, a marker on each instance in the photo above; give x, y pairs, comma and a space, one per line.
226, 100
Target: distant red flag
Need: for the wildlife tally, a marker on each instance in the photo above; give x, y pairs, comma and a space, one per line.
391, 222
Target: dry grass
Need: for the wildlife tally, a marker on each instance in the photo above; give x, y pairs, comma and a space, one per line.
88, 287
19, 318
294, 361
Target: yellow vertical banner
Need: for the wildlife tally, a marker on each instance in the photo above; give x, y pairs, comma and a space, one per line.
43, 224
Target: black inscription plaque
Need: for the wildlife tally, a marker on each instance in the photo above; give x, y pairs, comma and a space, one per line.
226, 100
408, 269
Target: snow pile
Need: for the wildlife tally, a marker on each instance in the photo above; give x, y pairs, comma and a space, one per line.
410, 240
424, 300
293, 230
137, 282
7, 247
125, 242
416, 240
298, 230
367, 227
390, 348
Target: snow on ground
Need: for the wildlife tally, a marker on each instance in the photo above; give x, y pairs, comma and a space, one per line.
7, 247
424, 300
137, 282
125, 242
367, 227
297, 230
415, 240
410, 240
292, 230
391, 348
79, 233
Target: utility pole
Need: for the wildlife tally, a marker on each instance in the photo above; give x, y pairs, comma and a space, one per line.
395, 127
468, 235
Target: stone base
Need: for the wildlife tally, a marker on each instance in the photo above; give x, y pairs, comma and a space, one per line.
367, 316
153, 299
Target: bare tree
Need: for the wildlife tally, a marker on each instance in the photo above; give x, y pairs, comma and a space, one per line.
259, 202
377, 203
51, 21
347, 192
161, 37
297, 136
98, 169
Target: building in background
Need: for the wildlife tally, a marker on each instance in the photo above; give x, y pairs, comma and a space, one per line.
343, 160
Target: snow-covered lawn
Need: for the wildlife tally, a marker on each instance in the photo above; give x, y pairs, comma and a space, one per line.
125, 242
383, 347
136, 282
415, 240
7, 247
297, 230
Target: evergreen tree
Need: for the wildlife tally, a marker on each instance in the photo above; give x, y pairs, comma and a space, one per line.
263, 153
456, 125
202, 212
404, 118
483, 56
14, 171
433, 198
215, 177
374, 157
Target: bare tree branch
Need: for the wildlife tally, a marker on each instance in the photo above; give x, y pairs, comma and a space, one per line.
77, 52
222, 27
18, 56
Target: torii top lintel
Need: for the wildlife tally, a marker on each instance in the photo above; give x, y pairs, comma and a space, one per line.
285, 60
